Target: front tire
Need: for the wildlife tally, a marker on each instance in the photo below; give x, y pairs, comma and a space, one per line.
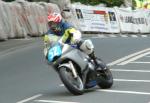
74, 85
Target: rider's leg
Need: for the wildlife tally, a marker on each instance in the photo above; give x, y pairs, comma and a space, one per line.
88, 47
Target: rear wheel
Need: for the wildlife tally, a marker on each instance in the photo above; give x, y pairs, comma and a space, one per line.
74, 85
105, 78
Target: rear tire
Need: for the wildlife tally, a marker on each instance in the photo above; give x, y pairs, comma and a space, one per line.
105, 78
74, 85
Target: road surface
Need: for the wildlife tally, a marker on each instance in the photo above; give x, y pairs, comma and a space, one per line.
25, 77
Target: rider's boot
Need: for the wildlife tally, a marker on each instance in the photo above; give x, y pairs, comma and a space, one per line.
97, 62
93, 57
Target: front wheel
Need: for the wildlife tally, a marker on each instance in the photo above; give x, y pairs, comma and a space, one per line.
74, 85
105, 78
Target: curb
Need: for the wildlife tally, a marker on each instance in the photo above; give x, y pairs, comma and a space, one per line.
116, 35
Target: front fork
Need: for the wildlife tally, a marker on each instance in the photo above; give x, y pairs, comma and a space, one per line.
73, 69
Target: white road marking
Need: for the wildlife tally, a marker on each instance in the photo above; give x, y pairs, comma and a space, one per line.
144, 35
129, 70
123, 80
61, 85
138, 62
127, 57
31, 98
52, 101
23, 39
127, 80
124, 92
124, 36
101, 36
112, 35
95, 37
147, 56
134, 58
134, 36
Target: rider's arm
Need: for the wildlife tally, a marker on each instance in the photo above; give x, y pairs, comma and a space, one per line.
46, 36
71, 36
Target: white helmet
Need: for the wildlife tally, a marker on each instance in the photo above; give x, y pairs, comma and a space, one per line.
87, 46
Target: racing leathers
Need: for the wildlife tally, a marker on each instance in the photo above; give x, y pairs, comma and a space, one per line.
67, 34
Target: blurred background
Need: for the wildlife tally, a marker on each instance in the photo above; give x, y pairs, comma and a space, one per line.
135, 4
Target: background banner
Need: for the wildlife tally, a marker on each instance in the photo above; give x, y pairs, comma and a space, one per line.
132, 21
96, 19
20, 19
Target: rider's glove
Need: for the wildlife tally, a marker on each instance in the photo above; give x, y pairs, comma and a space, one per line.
46, 39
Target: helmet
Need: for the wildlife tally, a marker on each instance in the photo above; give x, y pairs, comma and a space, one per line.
87, 46
54, 20
54, 17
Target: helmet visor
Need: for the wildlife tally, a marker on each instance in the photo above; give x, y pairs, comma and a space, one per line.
53, 25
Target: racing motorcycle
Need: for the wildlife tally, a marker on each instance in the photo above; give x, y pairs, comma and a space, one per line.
77, 70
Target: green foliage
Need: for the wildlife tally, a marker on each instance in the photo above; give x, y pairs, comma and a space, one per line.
109, 3
29, 0
8, 0
133, 4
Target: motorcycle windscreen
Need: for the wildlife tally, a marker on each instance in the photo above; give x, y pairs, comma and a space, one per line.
54, 53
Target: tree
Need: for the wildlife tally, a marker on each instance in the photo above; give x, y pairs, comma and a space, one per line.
109, 3
133, 4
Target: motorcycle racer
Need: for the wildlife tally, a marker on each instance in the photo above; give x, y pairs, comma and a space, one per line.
65, 33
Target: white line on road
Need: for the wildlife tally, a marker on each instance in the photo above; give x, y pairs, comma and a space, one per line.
134, 58
124, 92
129, 70
29, 99
128, 80
127, 57
52, 101
144, 35
102, 36
61, 85
134, 36
123, 80
23, 39
125, 36
138, 62
95, 37
112, 35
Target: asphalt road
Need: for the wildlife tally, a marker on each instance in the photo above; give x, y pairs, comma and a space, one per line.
25, 77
